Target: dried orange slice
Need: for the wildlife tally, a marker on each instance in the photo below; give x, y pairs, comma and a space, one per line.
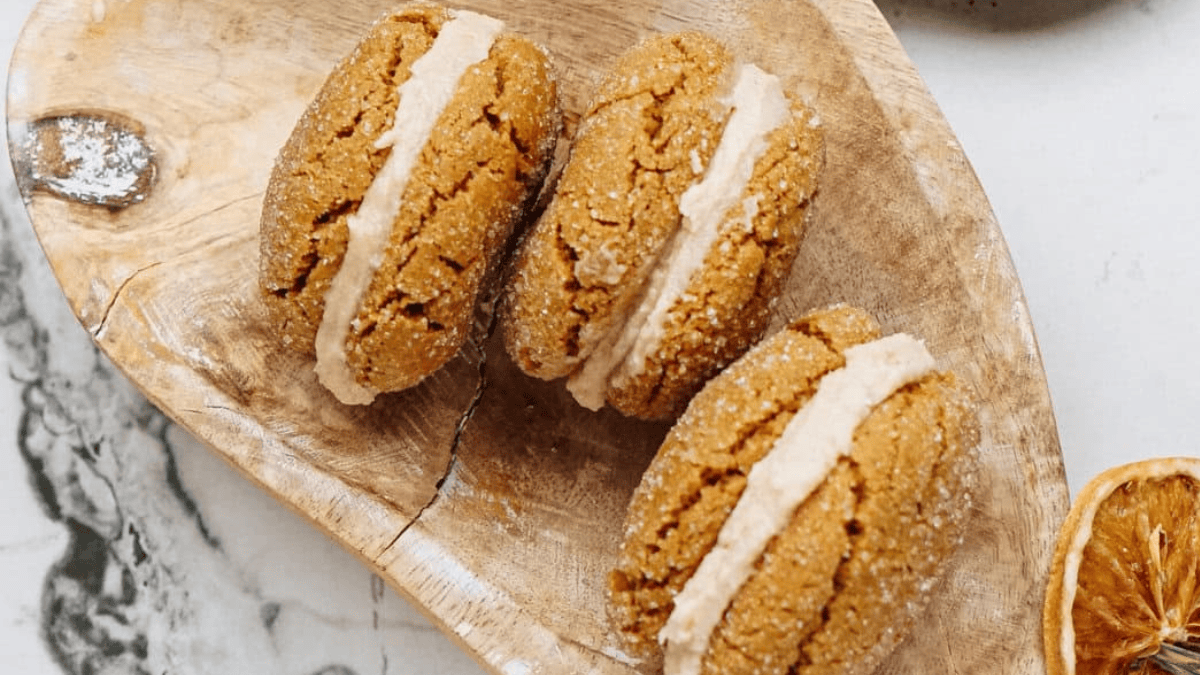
1123, 581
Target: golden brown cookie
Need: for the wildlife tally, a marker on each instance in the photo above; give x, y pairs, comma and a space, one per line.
673, 227
849, 460
397, 190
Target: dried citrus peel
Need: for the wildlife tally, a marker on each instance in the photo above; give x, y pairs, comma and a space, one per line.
1124, 575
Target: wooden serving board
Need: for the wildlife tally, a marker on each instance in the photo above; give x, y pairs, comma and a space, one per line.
143, 132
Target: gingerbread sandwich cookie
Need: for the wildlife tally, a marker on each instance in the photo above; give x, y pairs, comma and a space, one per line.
397, 191
799, 513
673, 227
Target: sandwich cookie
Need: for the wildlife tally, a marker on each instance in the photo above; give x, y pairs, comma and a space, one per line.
799, 513
397, 191
671, 230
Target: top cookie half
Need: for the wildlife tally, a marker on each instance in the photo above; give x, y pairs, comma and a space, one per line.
470, 179
672, 228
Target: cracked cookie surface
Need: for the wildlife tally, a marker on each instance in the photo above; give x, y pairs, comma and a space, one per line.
471, 184
647, 138
842, 582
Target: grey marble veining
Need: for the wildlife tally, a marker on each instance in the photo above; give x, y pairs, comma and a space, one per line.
169, 561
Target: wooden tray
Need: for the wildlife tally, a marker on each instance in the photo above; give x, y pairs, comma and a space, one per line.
143, 132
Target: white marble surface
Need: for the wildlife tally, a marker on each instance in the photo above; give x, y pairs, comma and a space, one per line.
125, 547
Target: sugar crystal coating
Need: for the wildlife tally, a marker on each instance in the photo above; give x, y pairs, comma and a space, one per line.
473, 182
647, 138
844, 581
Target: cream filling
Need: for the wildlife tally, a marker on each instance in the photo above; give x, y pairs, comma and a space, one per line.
759, 107
463, 41
809, 447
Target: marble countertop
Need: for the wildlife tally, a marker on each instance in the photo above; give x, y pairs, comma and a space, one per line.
1080, 117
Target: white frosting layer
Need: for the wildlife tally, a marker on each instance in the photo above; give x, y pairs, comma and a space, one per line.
809, 447
463, 41
759, 107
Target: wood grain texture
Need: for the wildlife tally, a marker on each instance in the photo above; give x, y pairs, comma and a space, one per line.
490, 499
